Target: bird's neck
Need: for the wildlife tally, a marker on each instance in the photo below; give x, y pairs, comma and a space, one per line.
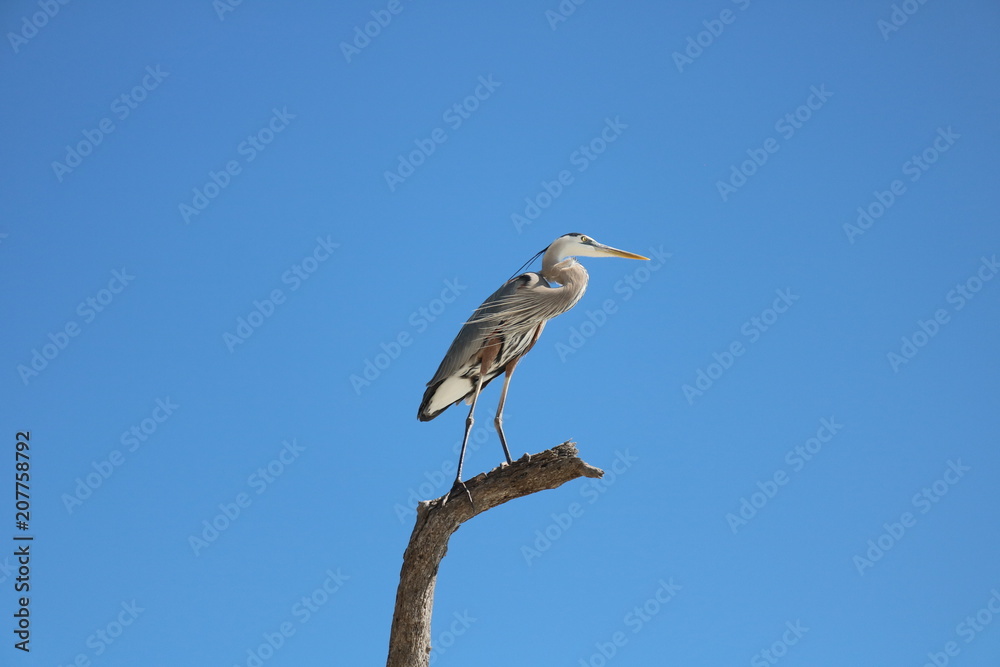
569, 272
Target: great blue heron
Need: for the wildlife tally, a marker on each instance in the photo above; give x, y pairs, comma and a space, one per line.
506, 326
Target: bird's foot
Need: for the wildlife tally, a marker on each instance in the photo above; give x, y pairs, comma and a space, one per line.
459, 488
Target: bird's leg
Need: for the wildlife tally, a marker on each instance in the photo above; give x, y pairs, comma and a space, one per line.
489, 355
469, 421
498, 422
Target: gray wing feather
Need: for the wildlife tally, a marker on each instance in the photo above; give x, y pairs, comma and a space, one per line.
513, 314
513, 311
477, 330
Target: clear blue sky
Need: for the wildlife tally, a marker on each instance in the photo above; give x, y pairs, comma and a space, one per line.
236, 244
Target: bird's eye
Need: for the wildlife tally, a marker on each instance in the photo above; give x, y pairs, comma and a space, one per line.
585, 239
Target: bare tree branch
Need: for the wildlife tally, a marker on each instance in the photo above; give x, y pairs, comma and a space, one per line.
410, 638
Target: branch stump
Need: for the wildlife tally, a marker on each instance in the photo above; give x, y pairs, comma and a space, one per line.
410, 637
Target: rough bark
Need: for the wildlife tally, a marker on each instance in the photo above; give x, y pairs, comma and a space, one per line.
410, 638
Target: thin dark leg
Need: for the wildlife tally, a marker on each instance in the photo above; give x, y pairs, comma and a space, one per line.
485, 361
468, 429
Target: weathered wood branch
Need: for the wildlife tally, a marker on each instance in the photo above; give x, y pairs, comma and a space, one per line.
410, 638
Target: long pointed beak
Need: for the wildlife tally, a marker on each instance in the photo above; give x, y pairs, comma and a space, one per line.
615, 252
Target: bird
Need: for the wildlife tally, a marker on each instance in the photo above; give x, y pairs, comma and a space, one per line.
506, 326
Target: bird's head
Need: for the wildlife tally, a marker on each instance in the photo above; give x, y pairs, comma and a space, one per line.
581, 245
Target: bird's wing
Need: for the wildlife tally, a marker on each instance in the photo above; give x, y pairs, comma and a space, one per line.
516, 312
487, 320
513, 314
